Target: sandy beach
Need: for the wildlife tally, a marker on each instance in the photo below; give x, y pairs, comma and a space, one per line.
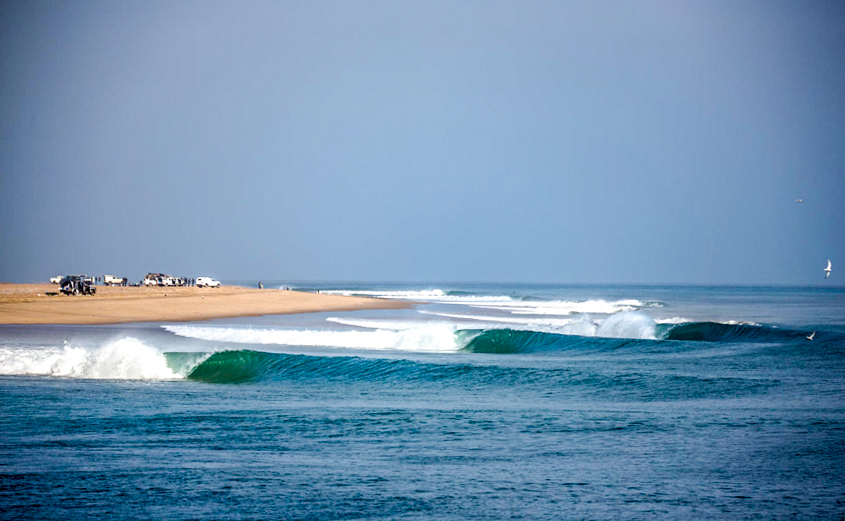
30, 304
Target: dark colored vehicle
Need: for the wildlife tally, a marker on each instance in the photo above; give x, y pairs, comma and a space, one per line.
77, 285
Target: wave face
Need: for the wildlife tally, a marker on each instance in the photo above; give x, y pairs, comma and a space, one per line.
623, 326
253, 366
510, 341
122, 359
718, 332
625, 330
245, 366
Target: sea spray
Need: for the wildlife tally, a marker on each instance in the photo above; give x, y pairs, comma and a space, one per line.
628, 325
124, 359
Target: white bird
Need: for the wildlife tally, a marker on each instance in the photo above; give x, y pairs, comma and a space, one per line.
827, 270
811, 336
799, 200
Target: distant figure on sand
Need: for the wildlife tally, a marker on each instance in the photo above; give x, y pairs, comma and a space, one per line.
260, 285
827, 270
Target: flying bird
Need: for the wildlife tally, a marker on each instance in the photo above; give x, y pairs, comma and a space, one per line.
799, 200
827, 270
811, 336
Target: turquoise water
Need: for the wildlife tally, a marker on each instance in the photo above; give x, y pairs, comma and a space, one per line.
482, 402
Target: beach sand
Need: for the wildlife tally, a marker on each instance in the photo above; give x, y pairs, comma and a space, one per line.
29, 304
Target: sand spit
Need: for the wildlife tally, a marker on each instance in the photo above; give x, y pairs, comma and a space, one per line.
30, 304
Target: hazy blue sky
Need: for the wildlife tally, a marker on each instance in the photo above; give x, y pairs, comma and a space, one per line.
424, 141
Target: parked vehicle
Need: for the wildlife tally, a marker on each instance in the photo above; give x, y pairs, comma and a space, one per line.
207, 282
155, 279
56, 280
77, 285
160, 279
111, 280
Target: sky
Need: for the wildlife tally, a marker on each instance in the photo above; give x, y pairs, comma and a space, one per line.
422, 141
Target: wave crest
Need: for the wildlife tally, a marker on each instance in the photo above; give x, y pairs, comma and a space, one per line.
432, 338
122, 359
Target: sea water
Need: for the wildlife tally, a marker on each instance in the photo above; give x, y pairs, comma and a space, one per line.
480, 402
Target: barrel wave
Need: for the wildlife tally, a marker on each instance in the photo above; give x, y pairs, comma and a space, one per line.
255, 367
669, 337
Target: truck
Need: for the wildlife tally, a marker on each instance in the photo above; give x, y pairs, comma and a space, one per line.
77, 285
155, 279
160, 279
111, 280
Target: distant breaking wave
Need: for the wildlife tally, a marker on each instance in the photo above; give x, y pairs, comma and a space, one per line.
434, 338
405, 336
449, 338
518, 306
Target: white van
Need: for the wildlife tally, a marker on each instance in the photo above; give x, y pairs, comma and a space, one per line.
207, 282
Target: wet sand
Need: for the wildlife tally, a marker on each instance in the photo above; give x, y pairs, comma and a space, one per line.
30, 304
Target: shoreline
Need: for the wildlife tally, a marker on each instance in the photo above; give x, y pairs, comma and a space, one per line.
26, 304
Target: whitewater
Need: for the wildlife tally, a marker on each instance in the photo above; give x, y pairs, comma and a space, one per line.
482, 401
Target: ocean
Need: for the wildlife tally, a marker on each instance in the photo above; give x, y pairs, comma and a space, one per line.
484, 401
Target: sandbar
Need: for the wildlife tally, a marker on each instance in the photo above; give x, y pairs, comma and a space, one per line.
31, 304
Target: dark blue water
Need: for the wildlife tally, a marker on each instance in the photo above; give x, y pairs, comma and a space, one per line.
427, 414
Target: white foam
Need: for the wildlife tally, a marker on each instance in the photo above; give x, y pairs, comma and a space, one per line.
122, 359
423, 295
508, 304
434, 296
400, 325
501, 321
565, 307
632, 325
395, 325
628, 325
584, 325
674, 320
432, 338
738, 323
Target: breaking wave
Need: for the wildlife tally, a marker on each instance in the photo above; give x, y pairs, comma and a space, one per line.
409, 336
433, 338
122, 359
731, 332
517, 305
245, 366
131, 359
